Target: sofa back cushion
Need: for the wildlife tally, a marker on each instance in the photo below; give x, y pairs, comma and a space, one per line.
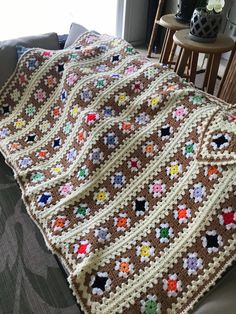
8, 53
75, 31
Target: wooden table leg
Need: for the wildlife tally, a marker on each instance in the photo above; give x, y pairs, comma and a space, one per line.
178, 59
172, 54
164, 45
180, 67
213, 73
193, 66
208, 70
168, 45
222, 92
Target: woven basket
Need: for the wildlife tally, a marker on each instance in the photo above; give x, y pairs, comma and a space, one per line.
204, 25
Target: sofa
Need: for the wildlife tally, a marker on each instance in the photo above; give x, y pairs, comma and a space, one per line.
32, 280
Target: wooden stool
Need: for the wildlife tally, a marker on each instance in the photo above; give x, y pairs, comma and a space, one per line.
227, 90
172, 25
190, 51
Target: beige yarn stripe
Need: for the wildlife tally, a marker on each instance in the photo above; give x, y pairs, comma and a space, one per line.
36, 121
89, 143
7, 86
116, 158
227, 257
185, 300
96, 136
56, 94
31, 85
149, 171
82, 274
41, 69
24, 57
213, 127
142, 227
98, 131
58, 124
141, 282
32, 123
227, 127
176, 248
96, 59
73, 95
123, 197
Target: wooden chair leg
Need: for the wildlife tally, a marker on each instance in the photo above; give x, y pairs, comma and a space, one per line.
155, 27
152, 40
213, 73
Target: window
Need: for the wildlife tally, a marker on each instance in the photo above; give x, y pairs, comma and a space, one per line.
31, 17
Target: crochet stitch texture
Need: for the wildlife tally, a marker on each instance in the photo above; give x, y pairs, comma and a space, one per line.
128, 171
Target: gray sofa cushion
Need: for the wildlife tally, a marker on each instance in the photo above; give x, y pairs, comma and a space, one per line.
8, 54
20, 50
221, 299
75, 31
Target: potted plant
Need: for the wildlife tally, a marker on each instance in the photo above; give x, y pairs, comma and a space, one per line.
206, 20
185, 10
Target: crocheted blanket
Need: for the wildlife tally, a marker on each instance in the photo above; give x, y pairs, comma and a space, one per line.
128, 171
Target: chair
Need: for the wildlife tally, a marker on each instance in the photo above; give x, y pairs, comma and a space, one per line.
171, 25
155, 27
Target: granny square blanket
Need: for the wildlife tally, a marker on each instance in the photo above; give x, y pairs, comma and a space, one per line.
128, 171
